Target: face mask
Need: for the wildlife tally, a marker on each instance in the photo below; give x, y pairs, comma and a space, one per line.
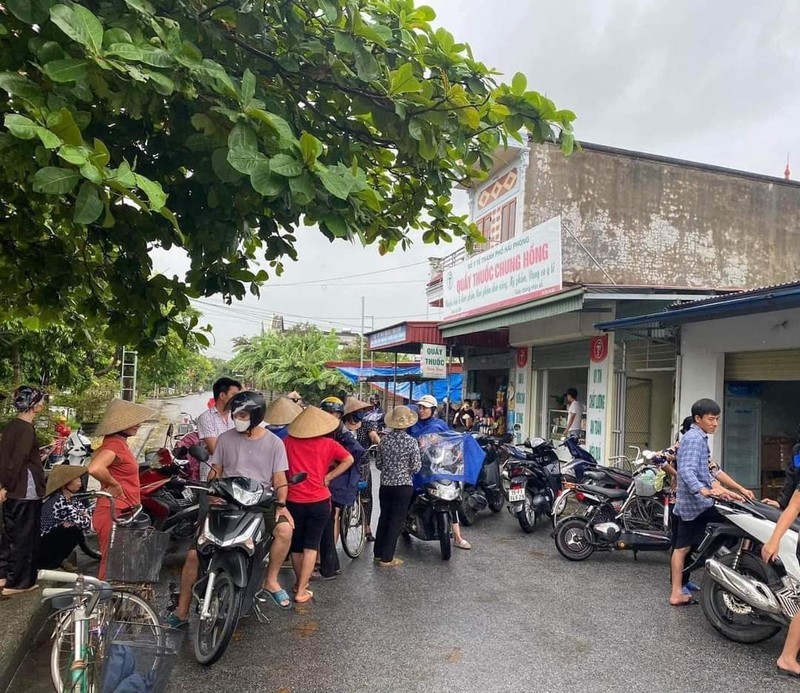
241, 426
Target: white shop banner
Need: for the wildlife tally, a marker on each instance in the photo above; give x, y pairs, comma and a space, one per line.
596, 411
433, 360
520, 269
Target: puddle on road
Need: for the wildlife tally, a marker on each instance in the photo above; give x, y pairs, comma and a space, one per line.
306, 630
455, 656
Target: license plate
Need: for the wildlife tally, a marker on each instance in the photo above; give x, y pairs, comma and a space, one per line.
516, 495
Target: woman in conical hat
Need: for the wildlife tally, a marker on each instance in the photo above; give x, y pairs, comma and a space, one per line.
310, 449
280, 414
64, 520
115, 467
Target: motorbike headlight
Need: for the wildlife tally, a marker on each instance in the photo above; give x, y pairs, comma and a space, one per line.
246, 497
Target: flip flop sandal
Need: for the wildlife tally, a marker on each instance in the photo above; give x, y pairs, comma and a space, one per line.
281, 598
690, 602
307, 598
786, 672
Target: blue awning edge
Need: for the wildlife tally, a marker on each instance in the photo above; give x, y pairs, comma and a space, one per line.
732, 305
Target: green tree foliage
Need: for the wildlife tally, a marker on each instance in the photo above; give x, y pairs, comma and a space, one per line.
59, 356
292, 360
220, 128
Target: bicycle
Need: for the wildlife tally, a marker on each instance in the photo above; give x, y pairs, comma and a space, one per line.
90, 615
85, 616
353, 525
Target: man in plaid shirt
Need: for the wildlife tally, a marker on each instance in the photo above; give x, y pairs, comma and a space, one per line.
696, 491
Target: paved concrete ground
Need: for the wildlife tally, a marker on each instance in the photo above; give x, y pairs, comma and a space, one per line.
510, 615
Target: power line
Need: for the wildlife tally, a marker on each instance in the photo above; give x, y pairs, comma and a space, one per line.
352, 276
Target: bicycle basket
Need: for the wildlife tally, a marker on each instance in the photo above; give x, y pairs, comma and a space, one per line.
646, 484
135, 555
139, 657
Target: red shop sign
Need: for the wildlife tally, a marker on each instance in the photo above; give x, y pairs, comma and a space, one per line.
522, 357
599, 349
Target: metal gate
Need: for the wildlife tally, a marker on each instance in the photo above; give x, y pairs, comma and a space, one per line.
638, 397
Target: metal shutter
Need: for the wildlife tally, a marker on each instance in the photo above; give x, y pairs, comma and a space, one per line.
783, 364
569, 355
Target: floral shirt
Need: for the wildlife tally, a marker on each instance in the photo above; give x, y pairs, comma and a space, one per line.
398, 459
57, 510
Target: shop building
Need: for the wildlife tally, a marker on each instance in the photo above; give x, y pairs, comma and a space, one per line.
743, 350
603, 235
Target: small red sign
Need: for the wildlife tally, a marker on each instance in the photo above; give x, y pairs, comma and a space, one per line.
599, 348
522, 357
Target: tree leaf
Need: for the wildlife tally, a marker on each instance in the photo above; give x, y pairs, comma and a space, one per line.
264, 182
311, 148
21, 127
53, 180
243, 154
66, 70
63, 124
335, 183
21, 9
275, 123
91, 173
101, 155
224, 171
79, 24
77, 155
366, 65
88, 205
285, 165
155, 193
16, 85
343, 42
248, 87
402, 81
141, 6
518, 84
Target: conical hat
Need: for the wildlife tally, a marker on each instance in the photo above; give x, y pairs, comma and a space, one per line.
401, 417
354, 404
282, 411
61, 475
122, 414
312, 423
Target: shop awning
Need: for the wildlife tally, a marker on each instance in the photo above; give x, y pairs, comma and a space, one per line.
565, 301
742, 303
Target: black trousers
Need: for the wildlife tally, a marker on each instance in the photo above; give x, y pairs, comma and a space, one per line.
56, 546
19, 542
394, 502
366, 494
328, 555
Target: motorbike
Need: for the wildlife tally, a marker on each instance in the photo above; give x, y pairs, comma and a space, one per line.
438, 492
745, 599
488, 489
534, 480
634, 519
232, 547
170, 508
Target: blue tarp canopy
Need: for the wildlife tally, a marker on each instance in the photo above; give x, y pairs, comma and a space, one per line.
407, 373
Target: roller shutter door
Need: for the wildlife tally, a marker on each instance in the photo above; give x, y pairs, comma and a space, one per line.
781, 364
569, 355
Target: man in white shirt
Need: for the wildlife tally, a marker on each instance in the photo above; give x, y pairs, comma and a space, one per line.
216, 420
575, 411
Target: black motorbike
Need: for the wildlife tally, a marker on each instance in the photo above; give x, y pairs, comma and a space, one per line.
636, 519
233, 546
534, 481
488, 490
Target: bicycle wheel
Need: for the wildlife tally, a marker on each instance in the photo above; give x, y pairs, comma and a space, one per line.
353, 528
139, 618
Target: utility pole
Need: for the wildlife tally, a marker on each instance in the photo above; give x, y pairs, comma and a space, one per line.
361, 358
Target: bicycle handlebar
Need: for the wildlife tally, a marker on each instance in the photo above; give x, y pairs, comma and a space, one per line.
136, 510
70, 578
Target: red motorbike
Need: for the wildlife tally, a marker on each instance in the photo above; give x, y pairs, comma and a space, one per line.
170, 510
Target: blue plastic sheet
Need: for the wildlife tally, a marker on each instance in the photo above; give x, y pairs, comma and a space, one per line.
437, 388
451, 455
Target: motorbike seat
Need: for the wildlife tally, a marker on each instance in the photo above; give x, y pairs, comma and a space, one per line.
773, 514
610, 493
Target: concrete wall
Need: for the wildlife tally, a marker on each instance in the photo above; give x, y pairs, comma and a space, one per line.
704, 344
654, 221
560, 328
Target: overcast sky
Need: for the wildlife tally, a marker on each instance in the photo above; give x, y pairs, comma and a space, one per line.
714, 82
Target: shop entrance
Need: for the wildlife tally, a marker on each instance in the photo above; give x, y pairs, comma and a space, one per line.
551, 400
760, 417
487, 392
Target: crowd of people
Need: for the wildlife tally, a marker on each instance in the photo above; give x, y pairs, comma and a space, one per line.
325, 450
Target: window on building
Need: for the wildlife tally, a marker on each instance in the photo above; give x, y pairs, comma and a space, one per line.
497, 225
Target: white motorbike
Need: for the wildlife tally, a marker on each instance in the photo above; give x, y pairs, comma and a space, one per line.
745, 599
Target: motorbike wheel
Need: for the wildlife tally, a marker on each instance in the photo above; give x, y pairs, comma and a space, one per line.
214, 635
729, 615
90, 547
443, 530
496, 502
571, 540
466, 513
527, 516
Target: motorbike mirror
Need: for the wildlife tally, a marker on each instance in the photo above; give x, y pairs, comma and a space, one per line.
180, 452
527, 443
199, 453
297, 478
